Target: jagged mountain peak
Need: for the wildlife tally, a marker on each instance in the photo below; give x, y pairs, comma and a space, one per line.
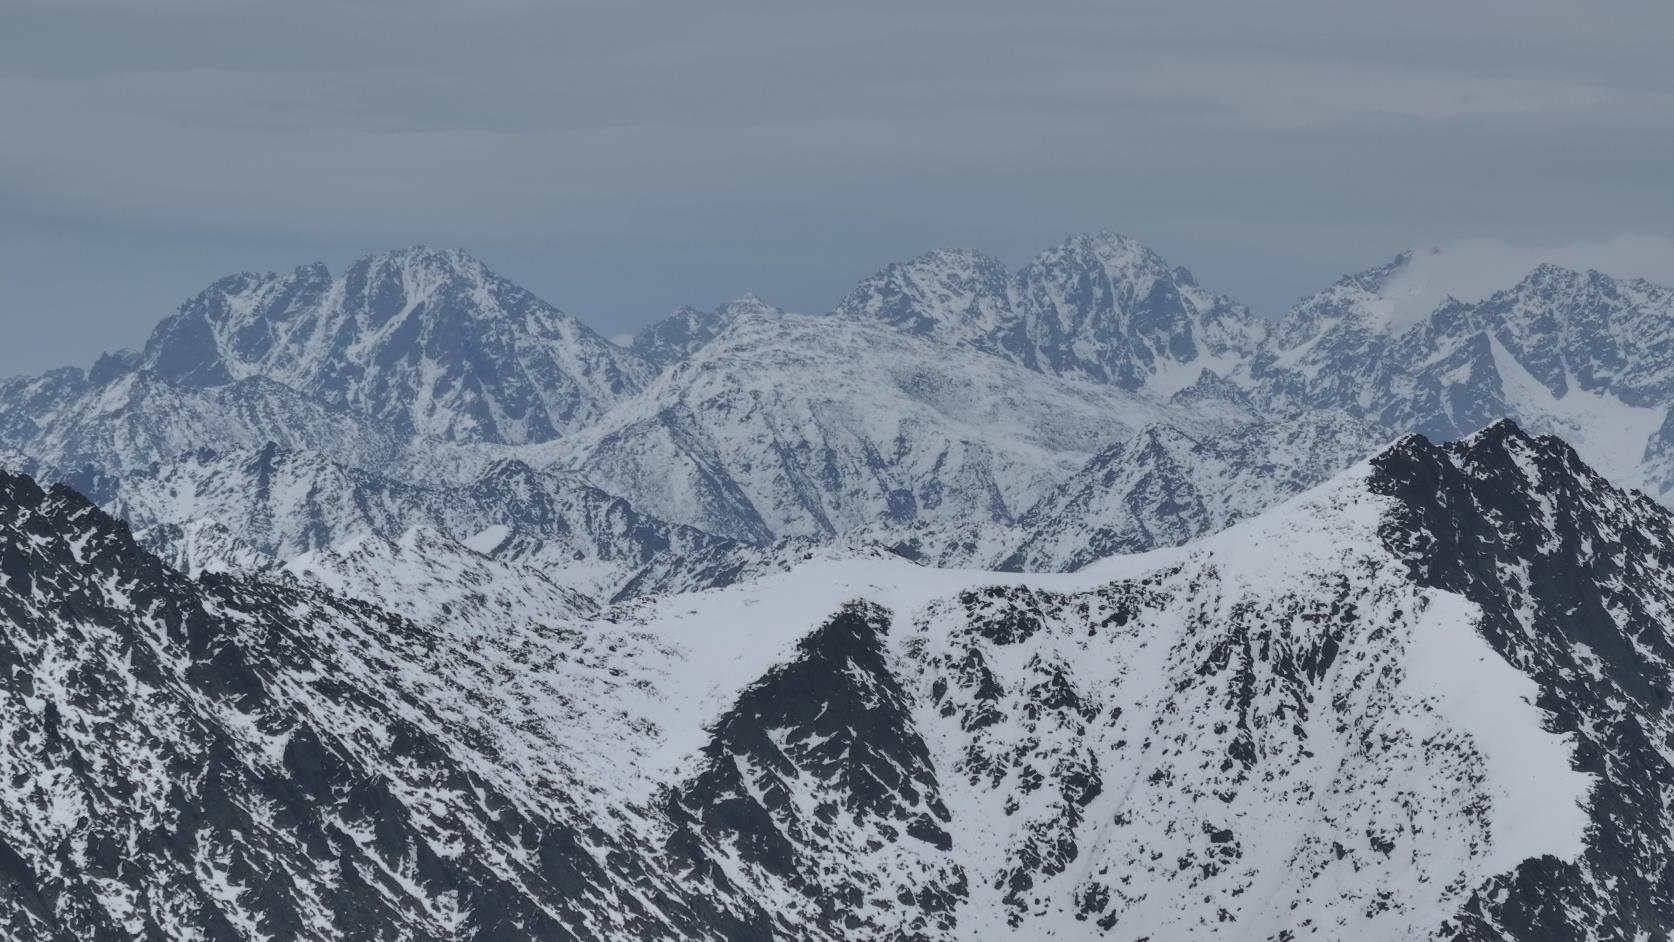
421, 256
1109, 247
112, 365
1385, 299
1420, 346
1541, 463
428, 341
1403, 294
1099, 306
1103, 306
1560, 285
439, 283
1116, 256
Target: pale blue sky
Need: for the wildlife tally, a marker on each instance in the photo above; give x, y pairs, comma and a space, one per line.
624, 158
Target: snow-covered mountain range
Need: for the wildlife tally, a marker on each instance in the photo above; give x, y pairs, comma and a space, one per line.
944, 392
1075, 601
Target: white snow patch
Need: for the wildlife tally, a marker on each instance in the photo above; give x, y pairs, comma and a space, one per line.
488, 539
1539, 801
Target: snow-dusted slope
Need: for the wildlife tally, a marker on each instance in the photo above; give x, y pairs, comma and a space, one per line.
683, 333
1577, 354
27, 403
1164, 487
253, 511
196, 547
1101, 307
431, 579
430, 342
100, 433
787, 425
1413, 703
286, 503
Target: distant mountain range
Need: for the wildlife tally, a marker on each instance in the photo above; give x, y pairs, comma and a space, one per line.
1070, 601
942, 403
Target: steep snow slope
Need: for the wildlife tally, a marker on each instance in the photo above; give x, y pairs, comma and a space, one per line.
1101, 307
430, 342
804, 426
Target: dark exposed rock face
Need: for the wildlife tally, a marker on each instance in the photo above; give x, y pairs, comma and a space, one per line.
1573, 577
818, 780
230, 759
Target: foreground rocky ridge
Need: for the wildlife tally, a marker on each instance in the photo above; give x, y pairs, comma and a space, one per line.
1263, 735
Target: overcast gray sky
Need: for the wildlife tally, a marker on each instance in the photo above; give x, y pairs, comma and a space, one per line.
623, 158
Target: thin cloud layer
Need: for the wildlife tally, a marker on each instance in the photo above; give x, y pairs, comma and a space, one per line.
622, 159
